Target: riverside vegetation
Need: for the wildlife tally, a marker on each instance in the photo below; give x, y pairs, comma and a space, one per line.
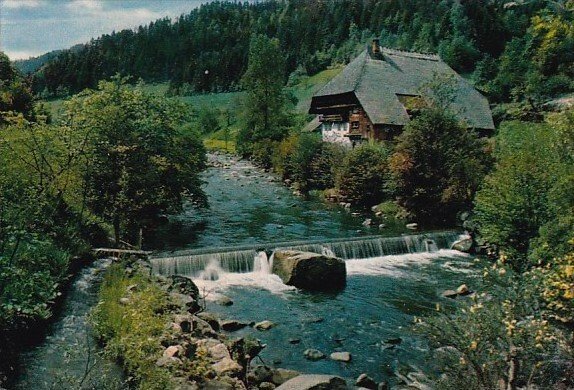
70, 185
120, 158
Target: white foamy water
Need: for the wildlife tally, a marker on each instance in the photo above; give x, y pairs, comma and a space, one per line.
261, 264
269, 282
397, 265
213, 279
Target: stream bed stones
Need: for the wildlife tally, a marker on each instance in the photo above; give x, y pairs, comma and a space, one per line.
313, 354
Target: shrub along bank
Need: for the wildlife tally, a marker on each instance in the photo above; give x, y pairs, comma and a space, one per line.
117, 161
432, 170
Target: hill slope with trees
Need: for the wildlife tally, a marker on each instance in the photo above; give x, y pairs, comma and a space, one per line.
512, 50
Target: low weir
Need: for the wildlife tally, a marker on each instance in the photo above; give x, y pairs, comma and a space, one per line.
243, 259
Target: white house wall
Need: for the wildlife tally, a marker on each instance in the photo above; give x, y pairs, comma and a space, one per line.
335, 132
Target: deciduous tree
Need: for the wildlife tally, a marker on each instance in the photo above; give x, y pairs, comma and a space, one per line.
438, 166
141, 165
265, 102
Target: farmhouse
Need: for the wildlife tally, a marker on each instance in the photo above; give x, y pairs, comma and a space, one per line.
381, 89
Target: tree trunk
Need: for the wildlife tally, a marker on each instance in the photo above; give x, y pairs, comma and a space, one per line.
139, 239
513, 367
117, 229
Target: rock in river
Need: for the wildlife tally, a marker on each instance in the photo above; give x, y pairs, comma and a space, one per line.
224, 301
313, 354
232, 325
314, 382
184, 285
463, 290
341, 356
281, 375
310, 271
264, 325
449, 294
366, 381
463, 245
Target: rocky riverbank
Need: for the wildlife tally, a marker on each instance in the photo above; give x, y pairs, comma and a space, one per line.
190, 348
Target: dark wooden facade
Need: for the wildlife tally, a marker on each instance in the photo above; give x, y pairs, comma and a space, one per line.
346, 109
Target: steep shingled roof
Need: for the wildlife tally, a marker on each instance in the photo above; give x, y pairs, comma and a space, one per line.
377, 82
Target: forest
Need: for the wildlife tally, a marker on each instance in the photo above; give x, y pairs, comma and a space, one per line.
511, 50
119, 159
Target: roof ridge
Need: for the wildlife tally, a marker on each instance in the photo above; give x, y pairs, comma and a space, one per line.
362, 72
412, 54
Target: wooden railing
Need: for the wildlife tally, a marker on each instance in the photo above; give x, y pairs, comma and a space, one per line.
115, 252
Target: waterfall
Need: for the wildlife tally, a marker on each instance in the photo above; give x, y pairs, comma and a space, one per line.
240, 261
327, 252
430, 245
261, 264
244, 259
212, 271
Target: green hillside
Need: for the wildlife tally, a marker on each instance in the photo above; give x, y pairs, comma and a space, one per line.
228, 101
305, 89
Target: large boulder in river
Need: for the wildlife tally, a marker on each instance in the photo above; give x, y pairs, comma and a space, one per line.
310, 271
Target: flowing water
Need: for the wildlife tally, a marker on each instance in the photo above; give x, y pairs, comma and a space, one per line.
392, 277
248, 206
69, 357
389, 281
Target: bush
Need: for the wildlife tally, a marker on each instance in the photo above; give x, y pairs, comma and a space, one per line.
499, 339
262, 153
30, 281
207, 121
438, 166
526, 202
281, 159
389, 209
314, 163
558, 286
363, 176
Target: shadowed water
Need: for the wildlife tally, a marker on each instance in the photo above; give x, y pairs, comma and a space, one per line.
69, 357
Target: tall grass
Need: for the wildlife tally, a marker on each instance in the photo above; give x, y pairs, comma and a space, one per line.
130, 318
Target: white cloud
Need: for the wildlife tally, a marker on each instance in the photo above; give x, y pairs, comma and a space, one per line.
84, 5
60, 24
14, 4
106, 16
20, 55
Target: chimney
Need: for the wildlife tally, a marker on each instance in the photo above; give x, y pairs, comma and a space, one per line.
375, 47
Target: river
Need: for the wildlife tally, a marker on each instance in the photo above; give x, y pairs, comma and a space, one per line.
390, 280
250, 209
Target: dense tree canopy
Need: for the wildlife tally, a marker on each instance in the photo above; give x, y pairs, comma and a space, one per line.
363, 175
140, 164
265, 100
15, 93
513, 49
526, 205
438, 167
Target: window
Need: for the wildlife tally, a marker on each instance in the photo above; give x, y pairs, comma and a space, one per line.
354, 125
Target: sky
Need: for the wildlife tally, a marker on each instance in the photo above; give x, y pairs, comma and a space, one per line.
34, 27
